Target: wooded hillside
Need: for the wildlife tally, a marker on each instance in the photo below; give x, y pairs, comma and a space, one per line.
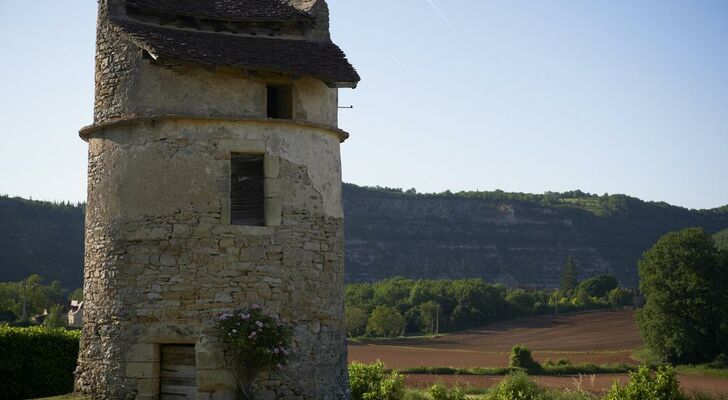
514, 238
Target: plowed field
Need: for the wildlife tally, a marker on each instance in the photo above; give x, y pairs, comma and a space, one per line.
597, 337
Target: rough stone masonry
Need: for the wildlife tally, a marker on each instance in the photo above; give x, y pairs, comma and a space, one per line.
180, 87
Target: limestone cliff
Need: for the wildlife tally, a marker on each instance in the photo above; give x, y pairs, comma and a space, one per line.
516, 239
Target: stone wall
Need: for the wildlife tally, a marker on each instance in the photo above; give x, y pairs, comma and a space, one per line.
162, 261
130, 85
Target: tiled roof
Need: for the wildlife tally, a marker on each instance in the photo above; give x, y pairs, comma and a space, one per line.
321, 59
233, 10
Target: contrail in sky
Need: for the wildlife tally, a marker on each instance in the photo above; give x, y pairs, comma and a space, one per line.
440, 13
395, 59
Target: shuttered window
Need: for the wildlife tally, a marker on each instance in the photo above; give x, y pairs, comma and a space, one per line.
246, 190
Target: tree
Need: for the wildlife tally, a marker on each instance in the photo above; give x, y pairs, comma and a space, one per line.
721, 240
386, 321
569, 278
599, 286
522, 301
76, 295
392, 292
356, 321
684, 281
429, 315
55, 317
619, 297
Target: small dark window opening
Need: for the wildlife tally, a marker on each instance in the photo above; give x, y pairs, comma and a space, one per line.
246, 190
280, 101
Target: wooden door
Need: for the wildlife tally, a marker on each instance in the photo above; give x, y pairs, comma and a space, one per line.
178, 373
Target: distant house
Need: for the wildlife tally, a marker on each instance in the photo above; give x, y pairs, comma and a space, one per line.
75, 314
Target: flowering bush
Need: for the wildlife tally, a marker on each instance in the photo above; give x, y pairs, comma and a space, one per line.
258, 341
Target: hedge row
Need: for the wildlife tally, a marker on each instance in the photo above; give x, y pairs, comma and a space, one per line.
36, 362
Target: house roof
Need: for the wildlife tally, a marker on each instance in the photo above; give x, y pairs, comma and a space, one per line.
320, 59
231, 10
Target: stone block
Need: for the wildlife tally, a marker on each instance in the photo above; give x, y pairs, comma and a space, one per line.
142, 369
271, 166
210, 360
242, 146
217, 379
148, 387
143, 352
273, 210
180, 230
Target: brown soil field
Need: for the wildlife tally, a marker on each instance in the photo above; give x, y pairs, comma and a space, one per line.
598, 384
597, 337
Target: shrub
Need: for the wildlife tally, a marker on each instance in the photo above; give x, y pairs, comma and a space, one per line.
559, 362
521, 358
414, 395
720, 362
370, 382
517, 386
644, 385
258, 341
619, 297
37, 362
440, 392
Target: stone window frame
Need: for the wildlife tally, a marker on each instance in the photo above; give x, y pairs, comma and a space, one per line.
272, 202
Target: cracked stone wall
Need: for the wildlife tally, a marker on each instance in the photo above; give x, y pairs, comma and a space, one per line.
162, 261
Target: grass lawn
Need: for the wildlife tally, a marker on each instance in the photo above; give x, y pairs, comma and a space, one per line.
65, 397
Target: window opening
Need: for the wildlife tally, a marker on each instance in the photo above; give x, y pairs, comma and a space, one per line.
246, 190
280, 101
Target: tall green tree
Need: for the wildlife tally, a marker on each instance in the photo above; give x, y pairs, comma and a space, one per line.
569, 276
356, 321
429, 313
386, 321
685, 317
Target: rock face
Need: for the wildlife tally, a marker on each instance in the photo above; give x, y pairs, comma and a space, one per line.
501, 238
163, 260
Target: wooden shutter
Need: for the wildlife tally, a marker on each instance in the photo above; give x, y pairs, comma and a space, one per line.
178, 373
246, 190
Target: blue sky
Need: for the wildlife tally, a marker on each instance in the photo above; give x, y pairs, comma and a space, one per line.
530, 96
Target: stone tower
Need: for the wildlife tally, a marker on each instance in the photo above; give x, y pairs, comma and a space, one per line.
214, 183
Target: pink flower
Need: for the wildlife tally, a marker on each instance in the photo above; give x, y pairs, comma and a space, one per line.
260, 324
276, 351
253, 335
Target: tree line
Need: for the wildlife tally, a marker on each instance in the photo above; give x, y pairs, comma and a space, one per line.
400, 306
